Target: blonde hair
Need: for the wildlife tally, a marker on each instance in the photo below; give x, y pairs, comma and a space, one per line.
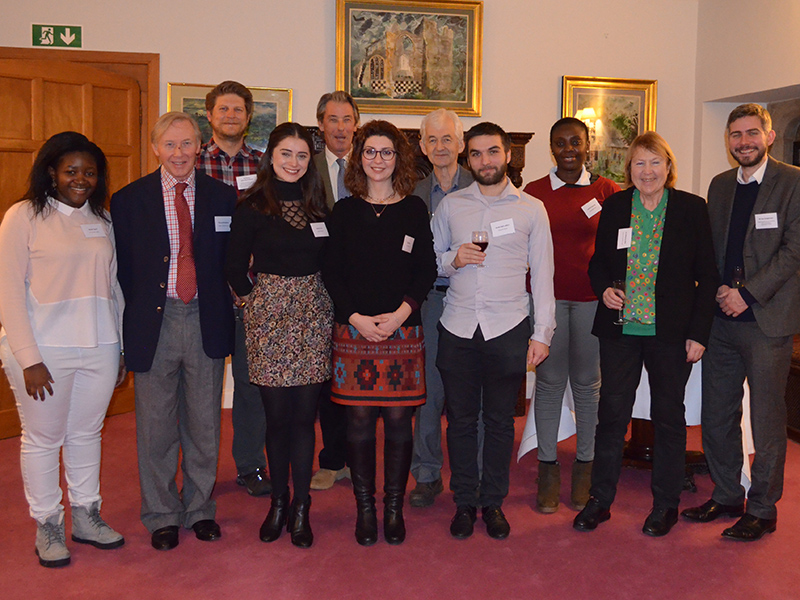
167, 119
656, 144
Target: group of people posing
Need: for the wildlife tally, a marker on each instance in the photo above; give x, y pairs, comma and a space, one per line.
344, 286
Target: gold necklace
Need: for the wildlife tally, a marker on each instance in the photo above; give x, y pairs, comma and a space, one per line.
372, 201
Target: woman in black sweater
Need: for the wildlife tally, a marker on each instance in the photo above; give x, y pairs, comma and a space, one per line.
280, 223
378, 268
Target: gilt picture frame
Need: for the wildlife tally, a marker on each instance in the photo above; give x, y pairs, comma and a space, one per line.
615, 111
272, 106
410, 57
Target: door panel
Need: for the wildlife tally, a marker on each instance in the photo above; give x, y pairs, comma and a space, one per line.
42, 98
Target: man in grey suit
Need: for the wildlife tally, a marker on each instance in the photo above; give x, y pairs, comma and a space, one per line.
755, 220
441, 140
337, 118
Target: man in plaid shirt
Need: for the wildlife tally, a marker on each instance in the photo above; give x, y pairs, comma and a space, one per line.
226, 156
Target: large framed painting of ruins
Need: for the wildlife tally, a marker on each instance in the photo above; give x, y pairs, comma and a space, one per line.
615, 111
410, 57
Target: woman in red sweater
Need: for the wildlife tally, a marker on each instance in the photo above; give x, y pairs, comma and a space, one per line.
573, 198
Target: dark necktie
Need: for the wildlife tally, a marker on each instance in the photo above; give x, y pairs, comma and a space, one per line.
186, 285
340, 186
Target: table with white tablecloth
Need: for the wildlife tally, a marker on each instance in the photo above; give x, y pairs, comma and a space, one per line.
641, 410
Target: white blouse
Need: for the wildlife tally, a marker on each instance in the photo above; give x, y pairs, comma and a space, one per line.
58, 280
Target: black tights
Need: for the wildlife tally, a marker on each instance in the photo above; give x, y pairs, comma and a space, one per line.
361, 422
291, 413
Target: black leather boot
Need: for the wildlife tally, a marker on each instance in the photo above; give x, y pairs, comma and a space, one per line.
396, 464
298, 524
361, 458
276, 518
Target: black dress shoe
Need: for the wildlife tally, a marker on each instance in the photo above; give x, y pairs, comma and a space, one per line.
712, 510
256, 483
591, 516
165, 538
750, 528
660, 521
462, 524
207, 530
496, 524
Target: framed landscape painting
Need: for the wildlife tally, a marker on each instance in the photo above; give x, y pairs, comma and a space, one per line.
410, 57
615, 111
271, 106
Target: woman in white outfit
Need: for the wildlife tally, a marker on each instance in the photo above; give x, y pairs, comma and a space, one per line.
61, 307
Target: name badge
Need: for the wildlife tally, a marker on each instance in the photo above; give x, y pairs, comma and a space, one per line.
504, 227
222, 223
245, 181
624, 237
408, 244
93, 230
319, 229
767, 221
591, 208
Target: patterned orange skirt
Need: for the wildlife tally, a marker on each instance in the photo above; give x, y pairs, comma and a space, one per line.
388, 373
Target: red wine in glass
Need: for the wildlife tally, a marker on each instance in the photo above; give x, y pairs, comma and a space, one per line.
481, 240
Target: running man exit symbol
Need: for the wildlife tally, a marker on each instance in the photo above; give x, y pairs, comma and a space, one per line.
69, 36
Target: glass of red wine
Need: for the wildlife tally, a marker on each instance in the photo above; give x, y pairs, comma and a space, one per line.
619, 284
481, 240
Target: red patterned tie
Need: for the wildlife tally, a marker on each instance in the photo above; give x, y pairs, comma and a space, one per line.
186, 285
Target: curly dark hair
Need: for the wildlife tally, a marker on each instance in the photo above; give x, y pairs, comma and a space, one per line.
40, 182
404, 177
263, 195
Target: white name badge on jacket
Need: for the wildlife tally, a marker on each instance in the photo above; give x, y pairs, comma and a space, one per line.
319, 229
767, 221
408, 244
504, 227
624, 236
92, 230
591, 208
222, 224
245, 181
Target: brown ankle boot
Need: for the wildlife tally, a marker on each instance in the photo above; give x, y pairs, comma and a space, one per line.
549, 487
581, 482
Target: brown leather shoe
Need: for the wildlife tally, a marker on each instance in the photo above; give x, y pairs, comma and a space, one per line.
424, 494
711, 511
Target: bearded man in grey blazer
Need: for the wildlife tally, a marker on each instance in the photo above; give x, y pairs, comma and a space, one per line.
755, 221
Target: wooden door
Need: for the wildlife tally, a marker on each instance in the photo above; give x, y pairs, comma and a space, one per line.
42, 98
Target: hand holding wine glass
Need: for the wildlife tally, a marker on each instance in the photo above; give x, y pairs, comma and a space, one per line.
619, 284
481, 239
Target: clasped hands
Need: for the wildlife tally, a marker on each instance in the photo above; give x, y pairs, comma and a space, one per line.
730, 301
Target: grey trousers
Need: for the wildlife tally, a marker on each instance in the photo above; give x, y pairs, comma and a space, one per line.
574, 355
427, 460
735, 351
178, 410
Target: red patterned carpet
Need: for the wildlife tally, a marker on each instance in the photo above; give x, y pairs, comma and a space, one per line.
544, 558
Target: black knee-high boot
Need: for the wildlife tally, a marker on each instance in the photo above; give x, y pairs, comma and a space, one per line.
396, 465
361, 457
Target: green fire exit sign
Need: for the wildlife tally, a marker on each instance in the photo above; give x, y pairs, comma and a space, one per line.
65, 36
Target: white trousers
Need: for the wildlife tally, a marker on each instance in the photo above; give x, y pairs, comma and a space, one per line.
72, 419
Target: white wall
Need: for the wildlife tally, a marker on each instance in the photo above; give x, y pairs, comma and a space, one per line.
747, 52
528, 46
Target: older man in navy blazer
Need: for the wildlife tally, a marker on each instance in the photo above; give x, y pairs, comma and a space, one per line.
171, 233
755, 224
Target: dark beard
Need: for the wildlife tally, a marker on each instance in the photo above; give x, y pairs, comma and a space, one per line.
495, 179
756, 159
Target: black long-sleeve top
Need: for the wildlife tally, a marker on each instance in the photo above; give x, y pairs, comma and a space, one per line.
365, 266
276, 246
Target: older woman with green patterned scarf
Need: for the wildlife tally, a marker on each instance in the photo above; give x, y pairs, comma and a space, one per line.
655, 274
